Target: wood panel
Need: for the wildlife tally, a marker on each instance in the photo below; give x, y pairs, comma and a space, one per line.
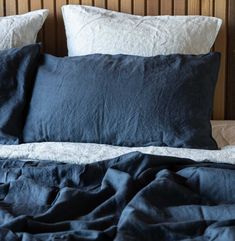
11, 7
2, 9
180, 7
207, 7
100, 3
87, 2
166, 7
50, 27
153, 7
54, 41
23, 7
36, 4
113, 5
139, 7
126, 6
74, 1
60, 33
194, 7
221, 46
230, 110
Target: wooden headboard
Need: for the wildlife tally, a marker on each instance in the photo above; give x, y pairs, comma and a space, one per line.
53, 35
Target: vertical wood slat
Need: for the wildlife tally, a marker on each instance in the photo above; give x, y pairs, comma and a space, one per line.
126, 6
86, 2
230, 104
113, 5
194, 7
207, 7
11, 7
139, 7
61, 38
74, 1
166, 7
23, 6
153, 7
2, 8
100, 3
221, 46
180, 7
50, 28
35, 5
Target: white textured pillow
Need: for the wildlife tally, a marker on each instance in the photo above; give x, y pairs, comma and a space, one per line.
20, 30
92, 30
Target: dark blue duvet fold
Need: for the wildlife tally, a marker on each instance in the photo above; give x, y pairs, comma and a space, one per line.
133, 197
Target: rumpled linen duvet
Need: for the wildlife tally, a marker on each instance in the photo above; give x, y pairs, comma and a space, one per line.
135, 196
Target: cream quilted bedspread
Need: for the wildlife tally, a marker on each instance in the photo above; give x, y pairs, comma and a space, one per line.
223, 132
88, 153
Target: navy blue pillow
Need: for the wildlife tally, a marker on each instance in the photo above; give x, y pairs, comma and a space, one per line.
124, 100
17, 67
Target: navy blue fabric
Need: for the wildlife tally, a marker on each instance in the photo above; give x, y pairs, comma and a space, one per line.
124, 100
133, 197
17, 69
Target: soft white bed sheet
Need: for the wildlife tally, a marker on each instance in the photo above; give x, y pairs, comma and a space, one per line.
88, 153
224, 132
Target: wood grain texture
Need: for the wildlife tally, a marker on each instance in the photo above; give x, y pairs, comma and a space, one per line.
230, 107
36, 4
194, 7
113, 5
126, 6
2, 8
180, 7
23, 6
221, 46
207, 7
87, 2
166, 7
60, 33
74, 1
153, 7
100, 3
50, 27
139, 7
11, 7
54, 41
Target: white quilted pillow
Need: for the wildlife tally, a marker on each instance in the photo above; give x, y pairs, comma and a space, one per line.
20, 30
92, 30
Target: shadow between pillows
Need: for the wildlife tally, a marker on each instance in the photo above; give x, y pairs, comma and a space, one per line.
17, 72
124, 100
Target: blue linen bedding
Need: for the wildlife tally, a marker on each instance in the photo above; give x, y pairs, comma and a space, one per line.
132, 197
124, 100
17, 70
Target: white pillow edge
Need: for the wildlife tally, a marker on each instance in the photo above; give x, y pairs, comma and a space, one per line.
43, 12
65, 8
38, 16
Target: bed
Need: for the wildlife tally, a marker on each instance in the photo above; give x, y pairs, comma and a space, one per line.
83, 190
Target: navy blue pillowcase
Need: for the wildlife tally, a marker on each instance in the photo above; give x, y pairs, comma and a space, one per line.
17, 69
124, 100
